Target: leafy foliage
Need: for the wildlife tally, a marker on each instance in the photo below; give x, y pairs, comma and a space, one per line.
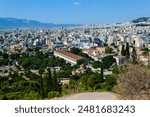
96, 64
80, 53
108, 50
108, 61
4, 62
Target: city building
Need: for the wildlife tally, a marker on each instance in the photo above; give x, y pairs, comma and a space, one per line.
120, 60
68, 57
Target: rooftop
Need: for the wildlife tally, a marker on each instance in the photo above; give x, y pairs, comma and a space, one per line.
70, 55
147, 56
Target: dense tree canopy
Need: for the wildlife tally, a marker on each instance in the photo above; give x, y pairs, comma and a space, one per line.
38, 76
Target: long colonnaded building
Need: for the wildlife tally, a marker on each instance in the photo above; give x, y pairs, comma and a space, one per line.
68, 57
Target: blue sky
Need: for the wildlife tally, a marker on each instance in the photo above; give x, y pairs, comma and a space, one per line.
76, 11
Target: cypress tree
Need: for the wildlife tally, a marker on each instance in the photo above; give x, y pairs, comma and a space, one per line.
41, 83
127, 51
48, 82
102, 71
55, 81
123, 52
134, 55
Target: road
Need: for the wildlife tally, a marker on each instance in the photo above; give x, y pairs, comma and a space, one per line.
91, 96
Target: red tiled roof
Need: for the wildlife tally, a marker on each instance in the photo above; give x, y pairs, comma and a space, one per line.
148, 56
70, 55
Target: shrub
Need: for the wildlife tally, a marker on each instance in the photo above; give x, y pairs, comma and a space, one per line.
53, 94
134, 82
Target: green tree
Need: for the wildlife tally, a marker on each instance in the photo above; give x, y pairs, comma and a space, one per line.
29, 49
41, 71
108, 50
127, 51
5, 55
4, 62
110, 82
146, 51
73, 86
92, 82
55, 81
48, 82
1, 53
75, 50
80, 53
26, 63
96, 64
123, 52
89, 82
134, 55
102, 71
108, 61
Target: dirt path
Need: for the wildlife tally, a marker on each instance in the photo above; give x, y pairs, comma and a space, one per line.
91, 96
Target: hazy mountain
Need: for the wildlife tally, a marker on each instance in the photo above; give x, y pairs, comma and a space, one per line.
142, 19
24, 23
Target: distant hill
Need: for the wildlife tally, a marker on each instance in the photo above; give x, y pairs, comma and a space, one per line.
24, 23
142, 19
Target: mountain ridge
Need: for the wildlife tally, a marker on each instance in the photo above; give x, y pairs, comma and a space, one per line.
25, 23
141, 19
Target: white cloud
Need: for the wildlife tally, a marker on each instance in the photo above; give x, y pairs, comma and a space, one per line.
77, 3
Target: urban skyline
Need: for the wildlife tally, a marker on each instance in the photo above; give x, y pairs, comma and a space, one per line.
109, 60
76, 11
